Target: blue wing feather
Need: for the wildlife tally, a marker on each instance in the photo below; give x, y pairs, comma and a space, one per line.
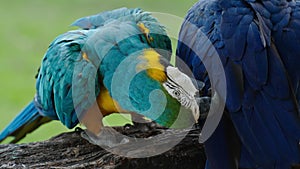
59, 76
25, 122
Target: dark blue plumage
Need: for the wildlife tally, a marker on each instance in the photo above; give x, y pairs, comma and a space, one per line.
258, 43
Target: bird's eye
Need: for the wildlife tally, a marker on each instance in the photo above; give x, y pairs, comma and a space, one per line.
176, 93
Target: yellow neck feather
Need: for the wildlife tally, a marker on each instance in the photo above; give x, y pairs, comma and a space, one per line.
154, 68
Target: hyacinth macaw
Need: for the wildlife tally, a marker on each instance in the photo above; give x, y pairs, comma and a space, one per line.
258, 44
117, 62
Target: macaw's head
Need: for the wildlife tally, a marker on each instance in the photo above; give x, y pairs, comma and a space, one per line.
182, 92
159, 91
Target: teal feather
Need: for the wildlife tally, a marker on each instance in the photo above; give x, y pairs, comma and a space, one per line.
134, 16
126, 53
56, 81
99, 20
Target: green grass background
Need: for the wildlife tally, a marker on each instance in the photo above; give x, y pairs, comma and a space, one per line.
27, 28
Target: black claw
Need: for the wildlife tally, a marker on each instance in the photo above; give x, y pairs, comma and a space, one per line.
78, 129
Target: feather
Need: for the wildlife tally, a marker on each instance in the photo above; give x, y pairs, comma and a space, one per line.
257, 44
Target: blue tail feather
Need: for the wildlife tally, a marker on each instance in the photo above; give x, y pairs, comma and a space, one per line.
25, 122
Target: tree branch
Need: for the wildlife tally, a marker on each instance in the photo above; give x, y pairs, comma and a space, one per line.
70, 150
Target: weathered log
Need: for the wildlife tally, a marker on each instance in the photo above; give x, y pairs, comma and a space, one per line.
70, 150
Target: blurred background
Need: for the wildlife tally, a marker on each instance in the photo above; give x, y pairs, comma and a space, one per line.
27, 29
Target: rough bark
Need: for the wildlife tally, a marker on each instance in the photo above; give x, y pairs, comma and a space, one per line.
70, 150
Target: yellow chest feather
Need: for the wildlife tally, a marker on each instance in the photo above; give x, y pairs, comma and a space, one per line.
107, 104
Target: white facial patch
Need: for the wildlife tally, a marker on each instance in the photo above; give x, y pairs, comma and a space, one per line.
180, 87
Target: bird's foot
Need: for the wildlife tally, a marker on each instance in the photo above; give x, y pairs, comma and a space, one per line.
107, 138
141, 124
142, 127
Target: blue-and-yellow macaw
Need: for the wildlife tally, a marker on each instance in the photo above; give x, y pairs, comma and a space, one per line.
258, 44
117, 62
